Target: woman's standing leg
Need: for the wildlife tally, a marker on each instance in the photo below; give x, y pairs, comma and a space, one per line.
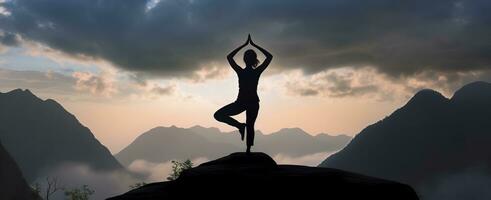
251, 115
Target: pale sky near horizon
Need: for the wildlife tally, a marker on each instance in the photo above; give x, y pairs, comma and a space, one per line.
125, 67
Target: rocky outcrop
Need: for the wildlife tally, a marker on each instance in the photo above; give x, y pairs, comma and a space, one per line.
256, 175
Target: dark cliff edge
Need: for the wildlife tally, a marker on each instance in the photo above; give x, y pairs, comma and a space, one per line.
258, 176
12, 183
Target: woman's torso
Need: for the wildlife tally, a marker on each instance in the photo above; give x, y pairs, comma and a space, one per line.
248, 81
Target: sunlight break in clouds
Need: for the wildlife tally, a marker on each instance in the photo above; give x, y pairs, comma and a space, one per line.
102, 84
3, 10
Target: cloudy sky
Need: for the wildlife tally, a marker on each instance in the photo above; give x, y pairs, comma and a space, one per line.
123, 67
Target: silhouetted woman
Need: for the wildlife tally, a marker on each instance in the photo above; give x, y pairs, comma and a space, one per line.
247, 100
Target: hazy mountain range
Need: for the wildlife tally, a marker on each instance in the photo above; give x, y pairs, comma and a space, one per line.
162, 144
41, 134
427, 140
12, 183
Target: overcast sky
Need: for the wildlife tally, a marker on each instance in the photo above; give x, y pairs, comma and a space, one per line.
123, 67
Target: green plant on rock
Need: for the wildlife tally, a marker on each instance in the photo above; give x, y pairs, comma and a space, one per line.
82, 193
137, 185
178, 167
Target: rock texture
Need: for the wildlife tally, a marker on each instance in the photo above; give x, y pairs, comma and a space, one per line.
256, 175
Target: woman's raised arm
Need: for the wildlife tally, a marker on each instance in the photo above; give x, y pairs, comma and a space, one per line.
230, 56
268, 55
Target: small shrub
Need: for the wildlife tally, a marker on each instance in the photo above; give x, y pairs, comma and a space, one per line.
178, 167
82, 193
137, 185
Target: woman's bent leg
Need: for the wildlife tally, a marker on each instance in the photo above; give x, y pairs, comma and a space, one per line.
251, 115
224, 113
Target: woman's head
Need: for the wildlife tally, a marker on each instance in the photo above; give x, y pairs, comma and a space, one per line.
250, 58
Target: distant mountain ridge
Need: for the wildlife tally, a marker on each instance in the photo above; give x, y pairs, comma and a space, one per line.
162, 144
41, 134
290, 141
426, 140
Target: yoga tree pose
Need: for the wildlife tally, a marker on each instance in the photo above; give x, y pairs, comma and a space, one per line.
247, 100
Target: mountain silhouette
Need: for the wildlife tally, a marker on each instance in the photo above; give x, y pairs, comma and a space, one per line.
167, 143
41, 134
288, 141
426, 140
12, 183
257, 176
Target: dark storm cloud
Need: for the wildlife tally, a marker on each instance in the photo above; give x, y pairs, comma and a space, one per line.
9, 39
343, 86
176, 37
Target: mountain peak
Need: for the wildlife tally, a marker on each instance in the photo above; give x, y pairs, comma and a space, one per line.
290, 130
197, 126
478, 90
59, 136
163, 129
18, 90
429, 142
427, 97
21, 92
